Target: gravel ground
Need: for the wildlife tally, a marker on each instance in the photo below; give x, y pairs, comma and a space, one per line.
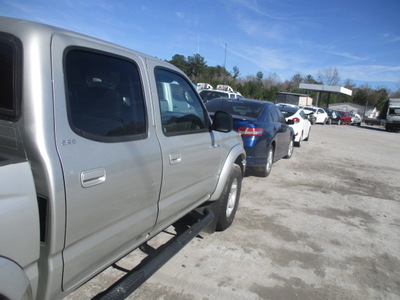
324, 225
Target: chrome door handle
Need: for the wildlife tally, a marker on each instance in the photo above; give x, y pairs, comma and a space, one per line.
93, 177
175, 158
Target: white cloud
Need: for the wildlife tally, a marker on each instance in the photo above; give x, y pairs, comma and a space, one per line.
348, 55
392, 38
371, 73
254, 7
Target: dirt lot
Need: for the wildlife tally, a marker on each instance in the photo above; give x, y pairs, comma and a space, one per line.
324, 225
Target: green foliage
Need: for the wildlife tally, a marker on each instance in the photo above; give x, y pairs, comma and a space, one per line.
369, 97
235, 72
256, 87
259, 76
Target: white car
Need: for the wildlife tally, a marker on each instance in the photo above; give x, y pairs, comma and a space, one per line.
321, 116
301, 126
355, 119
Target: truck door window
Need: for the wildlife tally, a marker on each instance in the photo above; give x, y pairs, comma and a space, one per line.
181, 109
104, 97
10, 83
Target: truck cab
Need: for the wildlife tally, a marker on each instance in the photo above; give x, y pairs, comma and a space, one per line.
390, 115
115, 146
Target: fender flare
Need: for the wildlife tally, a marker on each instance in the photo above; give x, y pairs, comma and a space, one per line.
14, 283
236, 153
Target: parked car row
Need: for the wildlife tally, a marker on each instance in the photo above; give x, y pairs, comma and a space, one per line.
329, 116
267, 135
270, 131
317, 114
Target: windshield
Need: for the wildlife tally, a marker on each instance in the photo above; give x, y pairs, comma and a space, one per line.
394, 111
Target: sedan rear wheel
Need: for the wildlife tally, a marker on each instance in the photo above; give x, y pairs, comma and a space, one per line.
290, 150
264, 171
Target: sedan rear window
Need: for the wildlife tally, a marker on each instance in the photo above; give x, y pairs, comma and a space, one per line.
238, 108
287, 111
208, 95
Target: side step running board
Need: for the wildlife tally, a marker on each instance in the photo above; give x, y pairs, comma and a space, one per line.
137, 276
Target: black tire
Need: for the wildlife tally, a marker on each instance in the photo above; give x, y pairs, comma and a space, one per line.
229, 200
329, 121
290, 150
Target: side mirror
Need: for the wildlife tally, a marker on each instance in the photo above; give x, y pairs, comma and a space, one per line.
222, 122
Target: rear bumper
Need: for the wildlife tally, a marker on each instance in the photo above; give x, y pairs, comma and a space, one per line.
255, 161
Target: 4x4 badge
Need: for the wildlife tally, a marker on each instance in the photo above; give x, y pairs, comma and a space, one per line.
68, 142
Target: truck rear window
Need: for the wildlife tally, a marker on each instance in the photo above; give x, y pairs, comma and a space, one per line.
104, 97
9, 76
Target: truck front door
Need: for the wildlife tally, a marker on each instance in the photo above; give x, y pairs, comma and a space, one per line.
191, 151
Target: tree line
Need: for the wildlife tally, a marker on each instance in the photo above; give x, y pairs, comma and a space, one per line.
263, 87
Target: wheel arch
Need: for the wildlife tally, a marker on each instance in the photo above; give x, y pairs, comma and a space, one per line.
236, 156
14, 283
273, 145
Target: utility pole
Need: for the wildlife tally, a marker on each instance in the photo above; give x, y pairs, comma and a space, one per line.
225, 62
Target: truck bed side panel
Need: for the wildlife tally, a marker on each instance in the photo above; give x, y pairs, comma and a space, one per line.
19, 240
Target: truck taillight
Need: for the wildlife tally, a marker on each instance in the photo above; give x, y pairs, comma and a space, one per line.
296, 120
250, 131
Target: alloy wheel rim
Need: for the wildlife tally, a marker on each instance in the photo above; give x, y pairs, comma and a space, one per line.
232, 197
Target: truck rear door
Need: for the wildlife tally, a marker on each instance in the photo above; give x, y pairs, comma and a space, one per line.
110, 156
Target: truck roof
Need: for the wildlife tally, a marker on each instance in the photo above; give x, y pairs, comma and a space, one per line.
23, 28
394, 102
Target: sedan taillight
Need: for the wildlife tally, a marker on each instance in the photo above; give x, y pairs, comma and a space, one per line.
250, 131
296, 120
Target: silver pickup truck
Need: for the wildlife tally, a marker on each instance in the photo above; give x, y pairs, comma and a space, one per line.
101, 149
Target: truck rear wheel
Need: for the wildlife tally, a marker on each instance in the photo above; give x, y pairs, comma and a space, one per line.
229, 200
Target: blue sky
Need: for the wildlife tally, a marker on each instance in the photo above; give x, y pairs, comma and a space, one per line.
360, 38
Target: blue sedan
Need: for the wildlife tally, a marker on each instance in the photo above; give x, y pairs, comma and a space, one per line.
264, 130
